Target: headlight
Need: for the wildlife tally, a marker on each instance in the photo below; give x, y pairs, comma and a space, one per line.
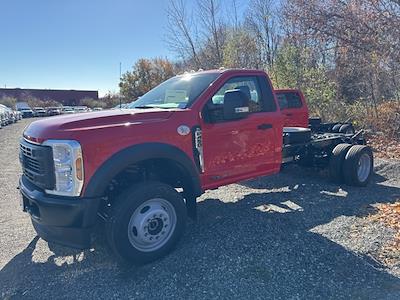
68, 167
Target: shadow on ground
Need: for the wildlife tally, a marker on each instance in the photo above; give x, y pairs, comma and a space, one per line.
246, 249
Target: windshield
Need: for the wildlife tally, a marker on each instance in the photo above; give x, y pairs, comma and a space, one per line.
177, 92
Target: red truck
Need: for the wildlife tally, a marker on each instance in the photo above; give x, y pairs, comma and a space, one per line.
138, 171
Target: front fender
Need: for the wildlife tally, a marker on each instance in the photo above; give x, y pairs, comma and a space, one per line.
119, 161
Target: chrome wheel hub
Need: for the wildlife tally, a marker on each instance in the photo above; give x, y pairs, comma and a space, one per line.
152, 224
363, 167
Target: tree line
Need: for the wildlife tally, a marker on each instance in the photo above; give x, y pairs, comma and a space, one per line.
343, 54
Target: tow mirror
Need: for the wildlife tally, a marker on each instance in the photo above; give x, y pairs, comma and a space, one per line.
236, 105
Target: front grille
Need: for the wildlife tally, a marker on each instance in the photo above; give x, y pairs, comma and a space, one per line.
37, 164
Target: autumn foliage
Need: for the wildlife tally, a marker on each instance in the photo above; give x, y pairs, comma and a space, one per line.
389, 215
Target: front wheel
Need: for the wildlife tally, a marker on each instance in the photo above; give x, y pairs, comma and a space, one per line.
146, 222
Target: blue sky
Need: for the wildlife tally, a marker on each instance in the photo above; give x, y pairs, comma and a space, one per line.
77, 44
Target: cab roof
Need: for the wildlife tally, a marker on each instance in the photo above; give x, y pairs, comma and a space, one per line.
222, 71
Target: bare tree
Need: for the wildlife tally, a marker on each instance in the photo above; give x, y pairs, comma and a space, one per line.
213, 30
181, 32
261, 21
364, 36
232, 14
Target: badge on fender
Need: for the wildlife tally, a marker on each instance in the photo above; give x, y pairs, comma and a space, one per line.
183, 130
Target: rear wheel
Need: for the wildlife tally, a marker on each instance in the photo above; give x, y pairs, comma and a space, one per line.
336, 127
347, 129
358, 165
336, 162
146, 222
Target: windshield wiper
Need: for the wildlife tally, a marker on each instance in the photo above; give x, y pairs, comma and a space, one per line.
145, 106
150, 106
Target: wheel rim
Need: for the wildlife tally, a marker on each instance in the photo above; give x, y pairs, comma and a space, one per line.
152, 225
364, 167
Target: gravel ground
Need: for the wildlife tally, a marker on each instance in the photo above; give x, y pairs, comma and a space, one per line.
290, 236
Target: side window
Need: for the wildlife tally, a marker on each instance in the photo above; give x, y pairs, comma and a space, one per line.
283, 104
248, 85
289, 100
268, 94
294, 100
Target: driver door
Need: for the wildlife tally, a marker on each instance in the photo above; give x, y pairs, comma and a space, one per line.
234, 150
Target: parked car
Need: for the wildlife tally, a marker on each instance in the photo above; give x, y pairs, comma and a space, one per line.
67, 110
10, 116
139, 171
26, 112
53, 111
39, 112
97, 109
15, 116
80, 109
3, 117
19, 115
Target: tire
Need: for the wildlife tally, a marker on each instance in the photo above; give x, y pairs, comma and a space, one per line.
336, 127
336, 162
146, 205
347, 129
296, 135
358, 165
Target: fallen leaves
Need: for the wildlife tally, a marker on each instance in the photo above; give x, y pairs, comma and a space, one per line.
389, 214
385, 147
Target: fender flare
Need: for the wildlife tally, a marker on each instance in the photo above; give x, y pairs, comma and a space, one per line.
120, 160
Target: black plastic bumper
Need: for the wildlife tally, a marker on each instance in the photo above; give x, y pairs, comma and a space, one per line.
68, 221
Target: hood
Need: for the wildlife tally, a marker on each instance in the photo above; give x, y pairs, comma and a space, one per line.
66, 126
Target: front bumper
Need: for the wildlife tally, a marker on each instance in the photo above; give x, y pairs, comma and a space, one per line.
68, 221
27, 115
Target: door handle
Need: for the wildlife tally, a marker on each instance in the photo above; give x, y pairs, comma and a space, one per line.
289, 115
264, 126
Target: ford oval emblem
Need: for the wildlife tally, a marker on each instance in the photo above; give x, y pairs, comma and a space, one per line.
183, 130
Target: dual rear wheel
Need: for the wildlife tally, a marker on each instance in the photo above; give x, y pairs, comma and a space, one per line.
352, 164
346, 128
